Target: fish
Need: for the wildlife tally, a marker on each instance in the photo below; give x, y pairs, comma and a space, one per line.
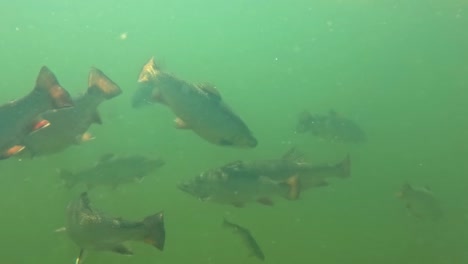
332, 127
247, 238
420, 202
112, 170
69, 126
92, 230
20, 117
240, 182
197, 107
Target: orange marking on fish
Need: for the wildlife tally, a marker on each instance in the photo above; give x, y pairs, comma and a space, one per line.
14, 150
41, 124
294, 187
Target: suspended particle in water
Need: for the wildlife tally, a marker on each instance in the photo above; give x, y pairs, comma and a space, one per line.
123, 36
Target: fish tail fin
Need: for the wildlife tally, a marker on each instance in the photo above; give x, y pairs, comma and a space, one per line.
48, 83
99, 83
150, 71
345, 167
68, 177
155, 230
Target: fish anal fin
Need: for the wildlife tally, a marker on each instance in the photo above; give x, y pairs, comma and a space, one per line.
294, 188
96, 118
123, 250
181, 124
265, 201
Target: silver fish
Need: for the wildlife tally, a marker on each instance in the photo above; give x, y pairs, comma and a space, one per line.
199, 108
113, 170
93, 230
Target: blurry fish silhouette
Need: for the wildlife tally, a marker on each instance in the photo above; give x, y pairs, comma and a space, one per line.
69, 126
113, 170
21, 117
197, 107
93, 230
247, 238
331, 127
420, 202
240, 182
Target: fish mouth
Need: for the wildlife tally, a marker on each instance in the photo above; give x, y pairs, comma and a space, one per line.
252, 143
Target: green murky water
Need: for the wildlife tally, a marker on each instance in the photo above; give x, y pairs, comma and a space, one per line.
399, 68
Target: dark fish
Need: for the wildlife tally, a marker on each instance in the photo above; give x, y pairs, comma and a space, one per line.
112, 170
21, 117
68, 126
240, 182
247, 238
197, 107
331, 127
420, 202
93, 230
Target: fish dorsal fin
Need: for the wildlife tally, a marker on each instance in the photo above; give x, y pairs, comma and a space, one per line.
85, 201
96, 118
209, 89
106, 157
293, 155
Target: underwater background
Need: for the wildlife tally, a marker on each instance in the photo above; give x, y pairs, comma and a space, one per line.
398, 68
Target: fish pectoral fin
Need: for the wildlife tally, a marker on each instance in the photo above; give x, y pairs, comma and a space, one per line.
60, 230
40, 124
294, 188
80, 257
123, 250
181, 124
11, 151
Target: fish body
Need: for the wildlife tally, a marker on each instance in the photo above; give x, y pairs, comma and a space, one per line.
93, 230
112, 171
420, 202
247, 238
199, 108
69, 126
240, 182
21, 117
332, 127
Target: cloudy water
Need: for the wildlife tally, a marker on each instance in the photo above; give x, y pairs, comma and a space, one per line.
395, 70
